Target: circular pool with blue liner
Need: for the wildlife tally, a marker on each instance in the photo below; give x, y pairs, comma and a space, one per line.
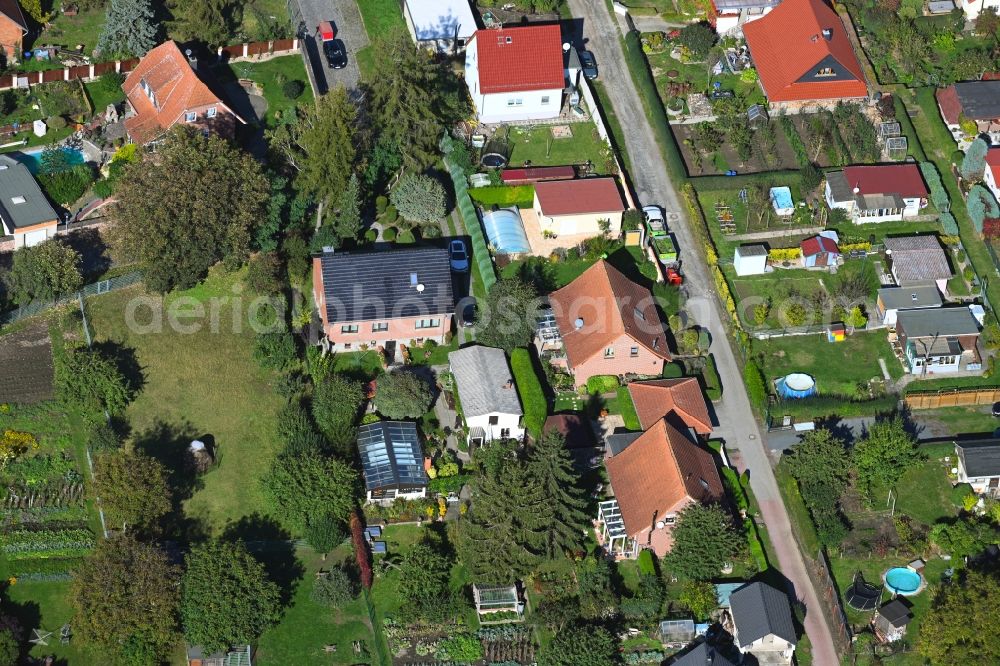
903, 581
796, 385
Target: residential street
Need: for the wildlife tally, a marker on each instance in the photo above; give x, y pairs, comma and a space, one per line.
739, 428
350, 29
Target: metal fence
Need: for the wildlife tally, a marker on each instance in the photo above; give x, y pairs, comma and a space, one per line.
93, 289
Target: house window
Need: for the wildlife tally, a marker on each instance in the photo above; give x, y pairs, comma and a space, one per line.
825, 71
515, 102
609, 352
428, 323
349, 328
545, 99
670, 518
347, 345
211, 112
639, 314
494, 420
190, 116
381, 326
634, 352
656, 343
504, 433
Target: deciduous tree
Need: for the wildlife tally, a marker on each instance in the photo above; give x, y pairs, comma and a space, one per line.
704, 540
336, 402
43, 272
580, 645
699, 597
550, 468
698, 38
125, 597
402, 395
209, 197
506, 318
87, 379
419, 198
133, 489
960, 627
884, 454
302, 486
325, 532
226, 597
129, 30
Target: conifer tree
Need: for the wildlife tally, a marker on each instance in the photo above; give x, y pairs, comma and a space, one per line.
129, 30
550, 469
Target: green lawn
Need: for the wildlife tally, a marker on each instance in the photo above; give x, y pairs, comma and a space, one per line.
271, 74
962, 420
627, 409
196, 385
380, 17
837, 367
538, 146
70, 31
101, 97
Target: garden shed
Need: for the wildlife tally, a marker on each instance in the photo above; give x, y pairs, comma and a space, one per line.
750, 260
497, 603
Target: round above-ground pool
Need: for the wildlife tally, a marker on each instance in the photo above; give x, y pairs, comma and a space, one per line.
903, 581
795, 385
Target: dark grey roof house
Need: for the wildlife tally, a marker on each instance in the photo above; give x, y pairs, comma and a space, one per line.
979, 464
25, 212
917, 259
762, 623
889, 621
392, 460
703, 654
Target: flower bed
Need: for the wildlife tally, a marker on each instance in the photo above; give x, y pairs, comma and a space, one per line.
25, 544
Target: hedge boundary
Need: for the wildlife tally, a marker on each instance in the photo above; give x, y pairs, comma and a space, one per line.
480, 250
529, 388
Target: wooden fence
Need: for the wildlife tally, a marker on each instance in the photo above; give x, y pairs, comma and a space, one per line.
952, 398
92, 71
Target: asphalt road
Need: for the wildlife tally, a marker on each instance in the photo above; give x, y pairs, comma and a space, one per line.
739, 428
350, 29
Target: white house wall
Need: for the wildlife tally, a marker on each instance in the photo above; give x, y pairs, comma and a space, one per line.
511, 422
517, 106
569, 225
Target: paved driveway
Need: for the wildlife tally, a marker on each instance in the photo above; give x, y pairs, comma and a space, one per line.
350, 29
739, 427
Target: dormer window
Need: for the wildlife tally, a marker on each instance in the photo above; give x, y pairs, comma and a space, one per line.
190, 116
825, 71
148, 89
211, 112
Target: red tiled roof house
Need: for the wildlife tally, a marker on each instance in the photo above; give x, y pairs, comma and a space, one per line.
13, 28
878, 193
608, 325
803, 57
164, 90
819, 252
577, 207
516, 74
653, 479
680, 400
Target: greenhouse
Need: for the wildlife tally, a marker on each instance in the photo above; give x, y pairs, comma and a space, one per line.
497, 603
505, 231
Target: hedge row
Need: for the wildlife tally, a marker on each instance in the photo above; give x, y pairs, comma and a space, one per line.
480, 251
529, 388
713, 383
29, 544
522, 196
819, 406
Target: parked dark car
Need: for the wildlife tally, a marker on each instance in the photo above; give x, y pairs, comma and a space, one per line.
996, 409
589, 65
336, 54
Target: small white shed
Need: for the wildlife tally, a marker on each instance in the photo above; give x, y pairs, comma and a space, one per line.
750, 260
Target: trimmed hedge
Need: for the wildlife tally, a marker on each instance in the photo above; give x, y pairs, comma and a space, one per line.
470, 218
713, 384
599, 384
826, 405
672, 370
522, 196
529, 388
756, 387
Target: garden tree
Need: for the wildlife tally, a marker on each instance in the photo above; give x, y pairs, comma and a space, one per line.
336, 402
709, 138
974, 162
704, 540
598, 597
699, 597
556, 612
971, 65
502, 535
335, 588
264, 274
402, 395
966, 536
296, 430
325, 532
381, 164
87, 379
419, 198
811, 177
327, 144
299, 487
506, 318
981, 204
10, 649
698, 39
226, 597
133, 490
856, 318
209, 195
210, 21
758, 201
129, 30
347, 222
125, 597
883, 455
414, 99
960, 627
33, 8
67, 186
580, 645
988, 22
423, 575
821, 466
550, 468
43, 272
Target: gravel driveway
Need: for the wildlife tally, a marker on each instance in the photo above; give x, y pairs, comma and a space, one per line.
350, 29
738, 426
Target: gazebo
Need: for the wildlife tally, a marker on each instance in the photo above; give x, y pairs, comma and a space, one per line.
497, 603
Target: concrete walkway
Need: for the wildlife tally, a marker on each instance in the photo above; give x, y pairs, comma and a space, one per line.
739, 426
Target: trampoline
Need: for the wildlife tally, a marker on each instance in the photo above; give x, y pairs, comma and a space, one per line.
506, 231
862, 595
796, 385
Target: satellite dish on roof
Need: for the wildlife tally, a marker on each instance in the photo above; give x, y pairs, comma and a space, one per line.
566, 47
420, 287
857, 190
578, 324
660, 524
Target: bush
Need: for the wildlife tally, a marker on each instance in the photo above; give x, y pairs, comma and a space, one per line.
56, 122
756, 386
419, 198
672, 371
402, 394
112, 81
406, 236
600, 384
371, 236
529, 388
390, 216
274, 350
66, 187
430, 231
335, 588
522, 196
389, 234
380, 204
103, 438
293, 88
713, 384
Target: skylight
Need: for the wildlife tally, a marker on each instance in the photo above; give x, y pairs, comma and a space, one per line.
18, 200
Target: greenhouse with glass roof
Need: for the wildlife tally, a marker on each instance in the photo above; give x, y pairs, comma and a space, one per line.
392, 460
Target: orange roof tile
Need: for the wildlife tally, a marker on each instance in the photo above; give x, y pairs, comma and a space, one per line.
789, 44
655, 399
659, 472
175, 87
610, 306
520, 59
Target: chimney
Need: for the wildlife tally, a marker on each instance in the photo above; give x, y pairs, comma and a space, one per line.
192, 59
827, 34
509, 384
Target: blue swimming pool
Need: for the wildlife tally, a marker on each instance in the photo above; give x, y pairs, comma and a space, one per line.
33, 158
903, 581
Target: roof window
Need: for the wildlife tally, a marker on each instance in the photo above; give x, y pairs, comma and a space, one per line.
18, 200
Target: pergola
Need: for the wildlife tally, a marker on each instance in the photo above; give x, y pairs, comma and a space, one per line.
614, 537
491, 599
